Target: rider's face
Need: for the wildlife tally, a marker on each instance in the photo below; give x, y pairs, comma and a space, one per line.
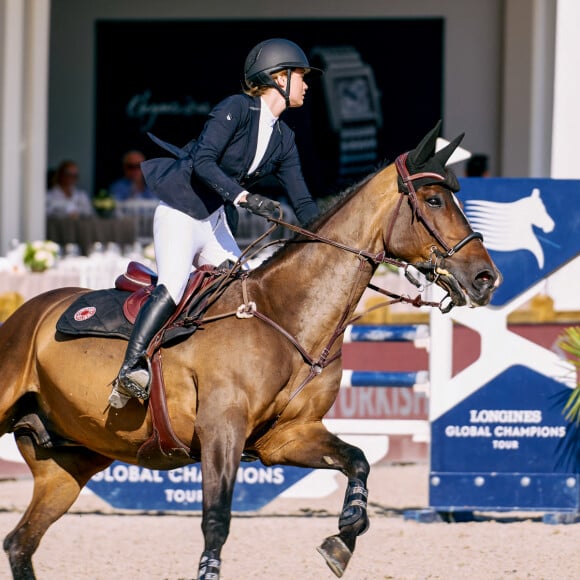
298, 88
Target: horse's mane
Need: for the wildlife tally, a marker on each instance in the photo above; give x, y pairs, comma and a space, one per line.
333, 204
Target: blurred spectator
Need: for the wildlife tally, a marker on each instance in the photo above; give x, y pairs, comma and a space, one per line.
64, 199
477, 166
132, 185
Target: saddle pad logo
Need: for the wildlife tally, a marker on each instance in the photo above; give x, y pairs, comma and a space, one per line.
85, 313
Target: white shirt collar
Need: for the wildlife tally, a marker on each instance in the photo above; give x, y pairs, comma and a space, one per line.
266, 115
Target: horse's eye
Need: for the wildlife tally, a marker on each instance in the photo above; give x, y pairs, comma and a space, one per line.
434, 201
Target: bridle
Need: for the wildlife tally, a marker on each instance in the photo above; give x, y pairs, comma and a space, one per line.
432, 265
401, 165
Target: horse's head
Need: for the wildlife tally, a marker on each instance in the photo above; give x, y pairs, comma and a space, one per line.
443, 245
536, 210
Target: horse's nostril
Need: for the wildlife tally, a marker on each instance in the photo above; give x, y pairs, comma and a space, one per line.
485, 278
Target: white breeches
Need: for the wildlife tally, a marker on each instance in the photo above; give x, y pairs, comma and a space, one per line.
182, 242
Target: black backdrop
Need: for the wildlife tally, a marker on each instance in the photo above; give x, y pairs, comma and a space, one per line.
165, 76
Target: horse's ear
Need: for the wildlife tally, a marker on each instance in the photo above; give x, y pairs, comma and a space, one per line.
447, 151
426, 148
424, 159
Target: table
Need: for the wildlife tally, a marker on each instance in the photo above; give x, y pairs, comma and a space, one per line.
18, 287
30, 284
85, 231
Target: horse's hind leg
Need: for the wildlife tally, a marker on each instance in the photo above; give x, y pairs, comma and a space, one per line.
312, 445
59, 475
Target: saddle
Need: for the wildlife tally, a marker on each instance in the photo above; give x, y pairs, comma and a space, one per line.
112, 313
140, 281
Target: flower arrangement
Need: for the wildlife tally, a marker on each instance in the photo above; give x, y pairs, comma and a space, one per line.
40, 256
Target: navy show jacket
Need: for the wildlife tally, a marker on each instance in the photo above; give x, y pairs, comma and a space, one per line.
212, 170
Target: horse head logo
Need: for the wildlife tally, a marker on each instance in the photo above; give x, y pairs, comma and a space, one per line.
507, 227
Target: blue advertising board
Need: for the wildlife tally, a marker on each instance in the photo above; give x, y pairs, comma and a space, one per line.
499, 437
131, 487
501, 446
530, 226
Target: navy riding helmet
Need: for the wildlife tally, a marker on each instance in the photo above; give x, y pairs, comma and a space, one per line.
271, 56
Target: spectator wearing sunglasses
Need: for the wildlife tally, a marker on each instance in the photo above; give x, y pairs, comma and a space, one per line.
132, 185
64, 198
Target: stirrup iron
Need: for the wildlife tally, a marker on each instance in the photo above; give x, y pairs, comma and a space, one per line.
136, 380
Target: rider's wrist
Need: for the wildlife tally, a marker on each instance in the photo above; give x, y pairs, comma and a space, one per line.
241, 197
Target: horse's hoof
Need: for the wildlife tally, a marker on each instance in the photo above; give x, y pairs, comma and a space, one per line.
336, 554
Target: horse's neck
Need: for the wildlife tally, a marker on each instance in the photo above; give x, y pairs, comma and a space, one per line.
315, 292
315, 286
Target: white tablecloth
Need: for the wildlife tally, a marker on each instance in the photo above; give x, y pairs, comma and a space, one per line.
95, 272
29, 284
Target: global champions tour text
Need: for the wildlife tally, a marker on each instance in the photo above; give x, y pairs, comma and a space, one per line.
122, 473
505, 426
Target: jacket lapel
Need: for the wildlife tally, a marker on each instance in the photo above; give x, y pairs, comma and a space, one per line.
273, 144
254, 124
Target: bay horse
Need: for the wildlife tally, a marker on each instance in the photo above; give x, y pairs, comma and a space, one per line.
257, 383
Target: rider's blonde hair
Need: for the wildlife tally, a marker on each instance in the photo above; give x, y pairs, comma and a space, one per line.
258, 91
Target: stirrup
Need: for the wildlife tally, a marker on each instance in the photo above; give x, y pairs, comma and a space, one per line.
137, 383
136, 380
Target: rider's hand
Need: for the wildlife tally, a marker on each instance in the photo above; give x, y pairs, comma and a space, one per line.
261, 205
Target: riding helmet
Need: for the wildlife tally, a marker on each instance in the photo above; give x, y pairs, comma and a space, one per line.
273, 55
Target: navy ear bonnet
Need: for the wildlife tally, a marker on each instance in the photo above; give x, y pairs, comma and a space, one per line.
424, 159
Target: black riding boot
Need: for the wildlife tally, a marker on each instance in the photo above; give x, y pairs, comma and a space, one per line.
135, 374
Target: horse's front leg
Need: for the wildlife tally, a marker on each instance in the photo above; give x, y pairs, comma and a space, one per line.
222, 444
312, 445
337, 550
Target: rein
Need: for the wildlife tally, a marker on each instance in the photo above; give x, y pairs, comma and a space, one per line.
248, 308
381, 257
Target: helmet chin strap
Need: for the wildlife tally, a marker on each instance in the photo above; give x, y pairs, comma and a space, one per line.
285, 93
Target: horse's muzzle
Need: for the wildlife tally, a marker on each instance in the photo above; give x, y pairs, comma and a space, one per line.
473, 291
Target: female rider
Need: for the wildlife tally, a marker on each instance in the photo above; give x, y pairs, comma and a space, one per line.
242, 142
